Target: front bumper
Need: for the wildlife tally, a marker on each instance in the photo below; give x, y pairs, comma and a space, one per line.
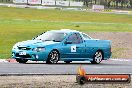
30, 55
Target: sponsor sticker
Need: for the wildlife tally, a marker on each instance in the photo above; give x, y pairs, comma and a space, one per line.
82, 78
73, 48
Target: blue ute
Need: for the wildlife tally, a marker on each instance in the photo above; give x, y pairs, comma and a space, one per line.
62, 45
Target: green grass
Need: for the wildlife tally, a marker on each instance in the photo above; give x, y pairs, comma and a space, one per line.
22, 24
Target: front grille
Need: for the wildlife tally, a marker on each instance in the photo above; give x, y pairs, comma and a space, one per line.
23, 56
24, 48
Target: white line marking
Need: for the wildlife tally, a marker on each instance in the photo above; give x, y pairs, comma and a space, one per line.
3, 60
127, 60
101, 23
120, 59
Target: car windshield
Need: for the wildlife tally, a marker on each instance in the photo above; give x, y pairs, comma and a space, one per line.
51, 36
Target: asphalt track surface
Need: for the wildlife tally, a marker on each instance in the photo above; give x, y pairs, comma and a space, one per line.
111, 66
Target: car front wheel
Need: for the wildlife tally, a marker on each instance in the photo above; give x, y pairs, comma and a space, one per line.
53, 57
98, 57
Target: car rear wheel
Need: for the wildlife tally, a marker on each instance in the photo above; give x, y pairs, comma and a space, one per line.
98, 57
53, 57
21, 60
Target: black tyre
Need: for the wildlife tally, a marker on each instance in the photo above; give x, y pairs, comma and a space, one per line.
98, 57
67, 62
53, 57
21, 60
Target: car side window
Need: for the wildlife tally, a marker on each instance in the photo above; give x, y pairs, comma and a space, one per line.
75, 38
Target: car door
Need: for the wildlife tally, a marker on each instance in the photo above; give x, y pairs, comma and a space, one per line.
74, 47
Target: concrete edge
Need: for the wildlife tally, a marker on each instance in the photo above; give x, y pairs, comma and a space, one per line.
42, 74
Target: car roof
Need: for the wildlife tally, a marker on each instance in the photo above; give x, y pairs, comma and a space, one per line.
64, 31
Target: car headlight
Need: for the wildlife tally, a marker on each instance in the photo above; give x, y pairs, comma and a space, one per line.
39, 49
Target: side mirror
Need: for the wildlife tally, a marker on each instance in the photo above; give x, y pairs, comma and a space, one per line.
68, 42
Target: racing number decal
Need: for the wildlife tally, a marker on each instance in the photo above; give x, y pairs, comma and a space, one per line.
73, 48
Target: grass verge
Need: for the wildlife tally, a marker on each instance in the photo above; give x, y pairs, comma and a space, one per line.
23, 24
